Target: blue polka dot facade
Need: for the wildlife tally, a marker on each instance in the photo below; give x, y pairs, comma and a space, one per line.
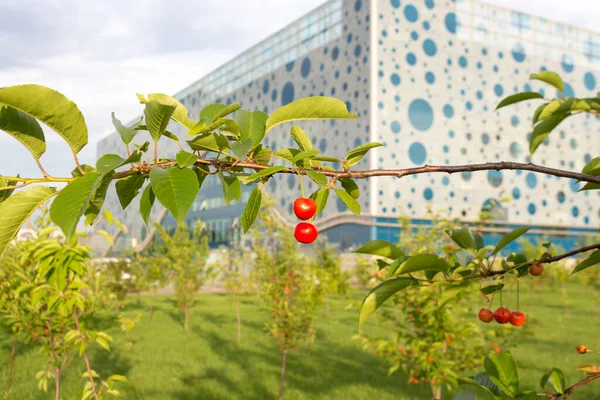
453, 74
425, 81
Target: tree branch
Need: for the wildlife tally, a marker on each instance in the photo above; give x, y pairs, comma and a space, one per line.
85, 358
397, 173
548, 260
575, 387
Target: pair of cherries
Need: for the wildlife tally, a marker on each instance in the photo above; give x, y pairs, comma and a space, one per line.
305, 209
502, 316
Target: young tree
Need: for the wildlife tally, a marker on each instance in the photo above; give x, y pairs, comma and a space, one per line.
289, 287
239, 281
183, 254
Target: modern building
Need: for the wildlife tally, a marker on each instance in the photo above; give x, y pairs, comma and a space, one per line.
425, 77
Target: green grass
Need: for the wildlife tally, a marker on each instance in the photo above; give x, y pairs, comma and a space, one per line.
206, 363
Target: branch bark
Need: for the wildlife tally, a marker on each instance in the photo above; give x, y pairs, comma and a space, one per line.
85, 358
11, 366
575, 387
397, 173
548, 260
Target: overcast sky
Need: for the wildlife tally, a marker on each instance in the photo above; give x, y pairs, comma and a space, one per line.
100, 53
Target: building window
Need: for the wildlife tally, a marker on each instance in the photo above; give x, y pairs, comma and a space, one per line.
520, 22
591, 49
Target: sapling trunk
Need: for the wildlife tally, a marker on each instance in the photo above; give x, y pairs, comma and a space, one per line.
239, 320
150, 307
282, 380
436, 391
11, 366
186, 313
57, 383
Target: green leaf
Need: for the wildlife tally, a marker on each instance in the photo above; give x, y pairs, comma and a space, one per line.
262, 155
301, 138
320, 197
381, 248
263, 173
221, 124
110, 162
537, 113
241, 148
216, 111
517, 98
508, 238
590, 186
252, 125
16, 210
106, 236
481, 392
146, 203
317, 177
118, 378
97, 200
251, 210
492, 288
50, 107
355, 155
157, 118
6, 193
309, 108
327, 159
185, 159
102, 342
593, 167
351, 187
378, 295
175, 189
543, 129
452, 290
127, 133
592, 260
464, 238
502, 369
72, 201
181, 112
208, 143
287, 154
232, 190
348, 200
556, 378
551, 78
303, 155
129, 188
171, 136
24, 128
423, 262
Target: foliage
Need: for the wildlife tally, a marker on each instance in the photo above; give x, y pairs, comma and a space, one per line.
430, 340
42, 296
183, 256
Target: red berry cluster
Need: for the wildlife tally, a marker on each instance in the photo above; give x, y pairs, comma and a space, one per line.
502, 316
305, 209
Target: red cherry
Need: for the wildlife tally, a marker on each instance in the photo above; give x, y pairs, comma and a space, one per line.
486, 315
502, 315
305, 208
517, 318
305, 233
536, 269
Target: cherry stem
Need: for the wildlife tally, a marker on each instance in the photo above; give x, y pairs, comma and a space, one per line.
518, 298
301, 185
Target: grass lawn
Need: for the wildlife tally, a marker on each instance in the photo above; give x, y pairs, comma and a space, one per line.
206, 363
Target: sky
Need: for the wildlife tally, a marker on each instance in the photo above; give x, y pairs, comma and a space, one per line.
99, 53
